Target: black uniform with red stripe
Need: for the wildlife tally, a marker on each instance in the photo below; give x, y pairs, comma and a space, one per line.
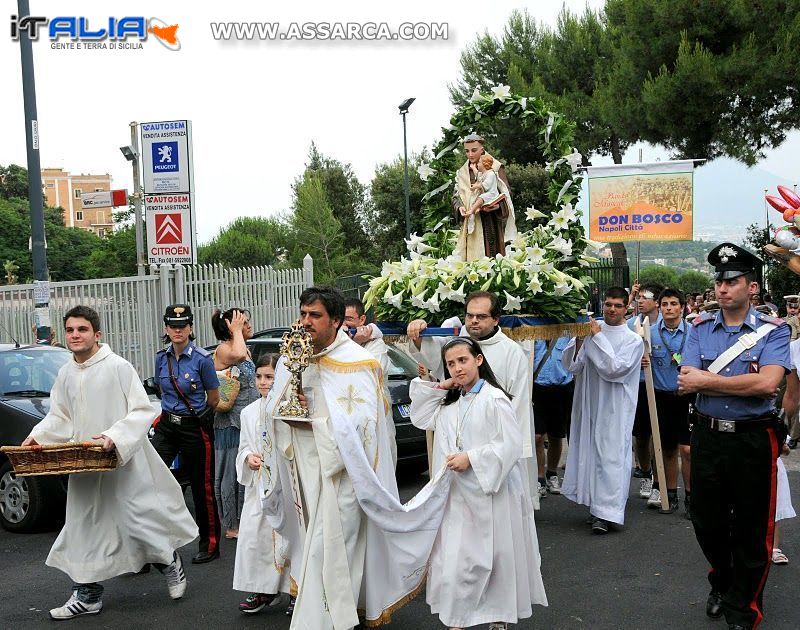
185, 428
735, 444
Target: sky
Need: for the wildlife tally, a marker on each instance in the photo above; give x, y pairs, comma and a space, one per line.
256, 106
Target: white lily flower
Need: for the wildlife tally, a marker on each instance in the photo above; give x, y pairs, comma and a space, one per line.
432, 304
574, 160
444, 291
595, 245
534, 284
473, 276
562, 288
412, 242
417, 301
559, 221
577, 283
422, 248
392, 271
532, 213
548, 267
535, 253
512, 303
523, 102
558, 244
458, 295
395, 300
425, 171
518, 242
569, 212
532, 267
476, 96
501, 92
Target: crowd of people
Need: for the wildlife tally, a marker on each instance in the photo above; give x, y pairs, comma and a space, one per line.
313, 502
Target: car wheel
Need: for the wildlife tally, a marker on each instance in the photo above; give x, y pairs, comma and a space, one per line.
21, 503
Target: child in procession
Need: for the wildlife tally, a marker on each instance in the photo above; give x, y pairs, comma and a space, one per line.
485, 562
262, 555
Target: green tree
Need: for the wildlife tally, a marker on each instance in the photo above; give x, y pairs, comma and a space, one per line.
13, 182
346, 196
658, 274
694, 281
319, 233
704, 79
248, 242
387, 223
115, 256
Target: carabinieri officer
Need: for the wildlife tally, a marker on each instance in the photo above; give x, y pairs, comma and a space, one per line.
734, 361
189, 394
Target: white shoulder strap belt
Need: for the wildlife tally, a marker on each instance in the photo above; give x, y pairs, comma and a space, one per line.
745, 342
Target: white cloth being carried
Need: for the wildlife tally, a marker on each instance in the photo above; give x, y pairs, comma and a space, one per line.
347, 562
598, 468
485, 565
783, 508
262, 554
116, 521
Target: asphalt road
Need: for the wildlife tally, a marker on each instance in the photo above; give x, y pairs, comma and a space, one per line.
649, 575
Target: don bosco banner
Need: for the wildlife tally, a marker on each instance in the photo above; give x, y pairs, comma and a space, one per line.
641, 202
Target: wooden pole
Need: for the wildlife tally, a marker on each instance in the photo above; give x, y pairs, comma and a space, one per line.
644, 330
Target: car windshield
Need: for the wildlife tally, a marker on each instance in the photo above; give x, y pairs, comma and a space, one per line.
401, 365
30, 370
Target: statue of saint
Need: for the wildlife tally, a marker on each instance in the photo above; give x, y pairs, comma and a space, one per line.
482, 204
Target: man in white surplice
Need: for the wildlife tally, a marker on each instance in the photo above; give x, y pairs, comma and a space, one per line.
506, 358
116, 521
606, 367
343, 562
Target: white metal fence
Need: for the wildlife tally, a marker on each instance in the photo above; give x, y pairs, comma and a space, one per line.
131, 309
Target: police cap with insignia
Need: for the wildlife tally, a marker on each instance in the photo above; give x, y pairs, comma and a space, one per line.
178, 315
792, 299
731, 261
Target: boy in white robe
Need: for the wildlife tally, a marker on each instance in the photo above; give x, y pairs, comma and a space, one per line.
606, 367
485, 562
117, 521
262, 554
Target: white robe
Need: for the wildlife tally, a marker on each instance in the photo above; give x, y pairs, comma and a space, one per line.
341, 564
783, 508
378, 349
485, 563
514, 372
606, 371
116, 521
262, 554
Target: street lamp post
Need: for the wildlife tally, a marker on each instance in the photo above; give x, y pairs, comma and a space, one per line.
41, 276
131, 154
403, 107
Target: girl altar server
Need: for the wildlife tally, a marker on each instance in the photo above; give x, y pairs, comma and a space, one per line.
485, 563
262, 555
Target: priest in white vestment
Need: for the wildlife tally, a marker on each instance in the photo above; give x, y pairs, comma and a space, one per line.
507, 359
117, 521
343, 566
606, 366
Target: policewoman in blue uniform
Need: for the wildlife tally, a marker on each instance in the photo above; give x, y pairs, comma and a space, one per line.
189, 394
734, 361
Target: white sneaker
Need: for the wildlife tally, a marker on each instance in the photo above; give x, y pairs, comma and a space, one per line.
75, 608
176, 578
498, 626
645, 488
554, 484
542, 490
655, 499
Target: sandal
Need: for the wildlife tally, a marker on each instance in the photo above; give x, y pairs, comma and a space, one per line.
778, 557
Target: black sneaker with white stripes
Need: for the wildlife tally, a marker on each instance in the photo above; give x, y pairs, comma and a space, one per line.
75, 608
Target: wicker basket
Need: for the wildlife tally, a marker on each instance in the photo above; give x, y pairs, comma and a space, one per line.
60, 459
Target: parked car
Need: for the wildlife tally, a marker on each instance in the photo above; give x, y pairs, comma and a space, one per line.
27, 374
411, 444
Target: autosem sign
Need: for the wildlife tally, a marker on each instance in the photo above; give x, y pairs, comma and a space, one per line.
167, 156
170, 229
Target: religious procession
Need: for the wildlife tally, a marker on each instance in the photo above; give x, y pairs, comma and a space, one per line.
599, 445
